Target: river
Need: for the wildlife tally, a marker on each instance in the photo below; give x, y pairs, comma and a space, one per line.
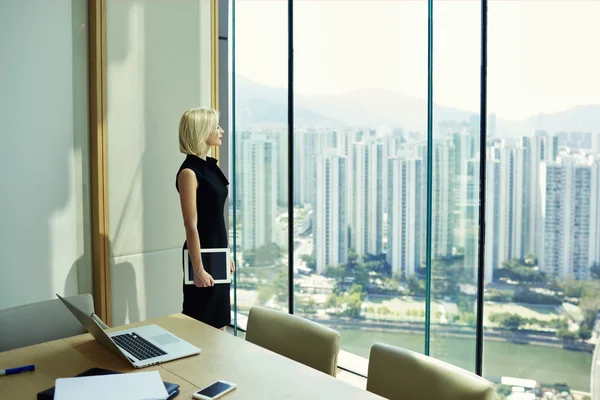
545, 364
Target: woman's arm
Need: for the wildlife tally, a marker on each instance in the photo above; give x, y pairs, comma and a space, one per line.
188, 184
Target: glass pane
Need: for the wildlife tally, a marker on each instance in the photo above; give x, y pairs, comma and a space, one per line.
455, 174
359, 171
261, 156
542, 211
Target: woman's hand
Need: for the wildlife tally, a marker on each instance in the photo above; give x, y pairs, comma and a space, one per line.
232, 267
203, 279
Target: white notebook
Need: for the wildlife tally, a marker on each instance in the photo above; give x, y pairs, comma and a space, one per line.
133, 386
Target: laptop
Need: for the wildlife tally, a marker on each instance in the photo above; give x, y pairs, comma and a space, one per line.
142, 346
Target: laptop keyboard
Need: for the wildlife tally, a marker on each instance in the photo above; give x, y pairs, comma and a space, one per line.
137, 346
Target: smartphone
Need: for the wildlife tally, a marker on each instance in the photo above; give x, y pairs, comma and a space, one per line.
214, 391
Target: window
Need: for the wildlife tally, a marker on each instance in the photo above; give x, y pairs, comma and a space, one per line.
261, 157
455, 164
542, 294
359, 265
360, 179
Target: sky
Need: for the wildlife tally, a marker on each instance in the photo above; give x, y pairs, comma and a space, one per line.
541, 55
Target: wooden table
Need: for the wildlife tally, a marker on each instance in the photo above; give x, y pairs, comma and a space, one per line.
258, 373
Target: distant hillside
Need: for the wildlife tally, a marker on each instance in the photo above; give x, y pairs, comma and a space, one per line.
579, 118
258, 104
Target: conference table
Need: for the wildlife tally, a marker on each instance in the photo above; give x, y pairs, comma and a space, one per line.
258, 373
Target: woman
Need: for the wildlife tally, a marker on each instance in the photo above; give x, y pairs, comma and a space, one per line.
202, 191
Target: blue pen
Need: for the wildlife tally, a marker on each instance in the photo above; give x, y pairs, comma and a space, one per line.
12, 371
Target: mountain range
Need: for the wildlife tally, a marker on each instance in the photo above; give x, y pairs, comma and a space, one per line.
257, 104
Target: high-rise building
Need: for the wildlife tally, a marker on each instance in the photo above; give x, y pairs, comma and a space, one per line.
367, 197
305, 173
359, 211
330, 216
442, 200
492, 217
259, 182
567, 187
375, 198
595, 211
469, 211
348, 139
391, 145
280, 138
544, 147
524, 246
506, 203
507, 225
406, 215
463, 150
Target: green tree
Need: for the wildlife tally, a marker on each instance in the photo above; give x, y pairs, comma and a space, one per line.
332, 301
310, 261
531, 259
580, 289
350, 302
378, 264
307, 306
416, 287
277, 286
566, 334
353, 305
357, 289
337, 273
520, 272
584, 333
353, 272
360, 274
468, 318
508, 320
465, 302
563, 331
513, 322
446, 274
525, 295
499, 296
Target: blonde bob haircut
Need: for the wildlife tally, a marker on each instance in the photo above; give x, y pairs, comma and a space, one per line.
195, 127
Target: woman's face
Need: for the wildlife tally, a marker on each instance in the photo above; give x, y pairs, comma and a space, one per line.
216, 137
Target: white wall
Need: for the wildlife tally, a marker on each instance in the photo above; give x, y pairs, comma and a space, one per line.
44, 203
158, 66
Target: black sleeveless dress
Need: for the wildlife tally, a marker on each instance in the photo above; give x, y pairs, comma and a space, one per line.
211, 305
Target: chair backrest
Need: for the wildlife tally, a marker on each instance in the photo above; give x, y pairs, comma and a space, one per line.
41, 322
299, 339
396, 373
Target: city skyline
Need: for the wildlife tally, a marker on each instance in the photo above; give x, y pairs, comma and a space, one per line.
346, 177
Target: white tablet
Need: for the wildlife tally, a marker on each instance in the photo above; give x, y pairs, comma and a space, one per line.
216, 262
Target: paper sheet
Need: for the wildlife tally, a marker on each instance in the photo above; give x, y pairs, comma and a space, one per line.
133, 386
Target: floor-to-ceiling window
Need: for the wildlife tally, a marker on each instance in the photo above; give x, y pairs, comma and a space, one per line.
261, 155
455, 180
542, 247
366, 150
359, 140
